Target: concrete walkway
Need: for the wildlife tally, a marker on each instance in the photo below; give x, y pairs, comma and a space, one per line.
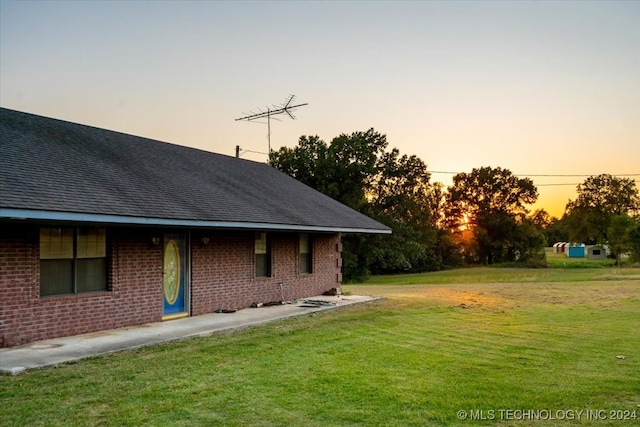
61, 350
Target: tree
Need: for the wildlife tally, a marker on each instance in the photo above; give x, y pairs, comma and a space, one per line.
599, 199
552, 228
541, 219
619, 235
401, 197
344, 170
448, 253
394, 189
557, 231
634, 242
491, 203
529, 242
304, 161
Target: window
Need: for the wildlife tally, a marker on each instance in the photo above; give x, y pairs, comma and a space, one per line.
72, 260
263, 255
305, 254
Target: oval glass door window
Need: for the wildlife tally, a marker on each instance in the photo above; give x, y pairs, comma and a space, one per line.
171, 272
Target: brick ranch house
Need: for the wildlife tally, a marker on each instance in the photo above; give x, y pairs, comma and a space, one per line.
101, 230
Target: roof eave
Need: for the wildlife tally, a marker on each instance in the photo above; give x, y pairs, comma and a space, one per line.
75, 217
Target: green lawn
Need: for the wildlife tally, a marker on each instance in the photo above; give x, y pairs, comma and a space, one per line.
483, 341
561, 260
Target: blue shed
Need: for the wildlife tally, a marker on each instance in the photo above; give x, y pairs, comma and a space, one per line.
576, 252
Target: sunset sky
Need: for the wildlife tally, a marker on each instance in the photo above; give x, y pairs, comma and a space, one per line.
540, 88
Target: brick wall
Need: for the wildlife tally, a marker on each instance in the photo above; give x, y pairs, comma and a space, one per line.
223, 271
135, 297
222, 276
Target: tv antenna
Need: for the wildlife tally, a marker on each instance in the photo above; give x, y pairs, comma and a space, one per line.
274, 110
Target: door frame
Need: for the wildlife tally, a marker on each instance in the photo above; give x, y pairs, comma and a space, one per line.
186, 272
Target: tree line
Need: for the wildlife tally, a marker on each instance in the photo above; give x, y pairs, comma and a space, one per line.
482, 218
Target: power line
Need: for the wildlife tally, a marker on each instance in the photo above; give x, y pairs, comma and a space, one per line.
251, 151
549, 176
594, 174
548, 185
546, 175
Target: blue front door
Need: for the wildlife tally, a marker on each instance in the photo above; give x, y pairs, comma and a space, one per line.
175, 274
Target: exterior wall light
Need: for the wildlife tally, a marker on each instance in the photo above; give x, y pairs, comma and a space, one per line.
204, 241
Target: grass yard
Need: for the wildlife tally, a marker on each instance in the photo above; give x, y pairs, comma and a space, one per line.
464, 347
561, 260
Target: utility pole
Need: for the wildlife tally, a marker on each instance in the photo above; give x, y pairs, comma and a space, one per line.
274, 110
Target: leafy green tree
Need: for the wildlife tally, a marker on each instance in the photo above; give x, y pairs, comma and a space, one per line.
619, 235
552, 228
304, 162
344, 170
541, 219
556, 231
357, 170
448, 249
529, 243
356, 257
448, 253
634, 242
599, 199
491, 203
355, 162
402, 198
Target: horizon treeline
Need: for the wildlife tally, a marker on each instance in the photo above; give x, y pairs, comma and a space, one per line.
482, 218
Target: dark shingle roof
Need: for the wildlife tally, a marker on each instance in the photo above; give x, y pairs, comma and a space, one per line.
52, 169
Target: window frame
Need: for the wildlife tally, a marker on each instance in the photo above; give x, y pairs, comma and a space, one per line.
262, 258
305, 259
81, 264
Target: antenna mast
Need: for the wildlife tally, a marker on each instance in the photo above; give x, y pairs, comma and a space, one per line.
274, 110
